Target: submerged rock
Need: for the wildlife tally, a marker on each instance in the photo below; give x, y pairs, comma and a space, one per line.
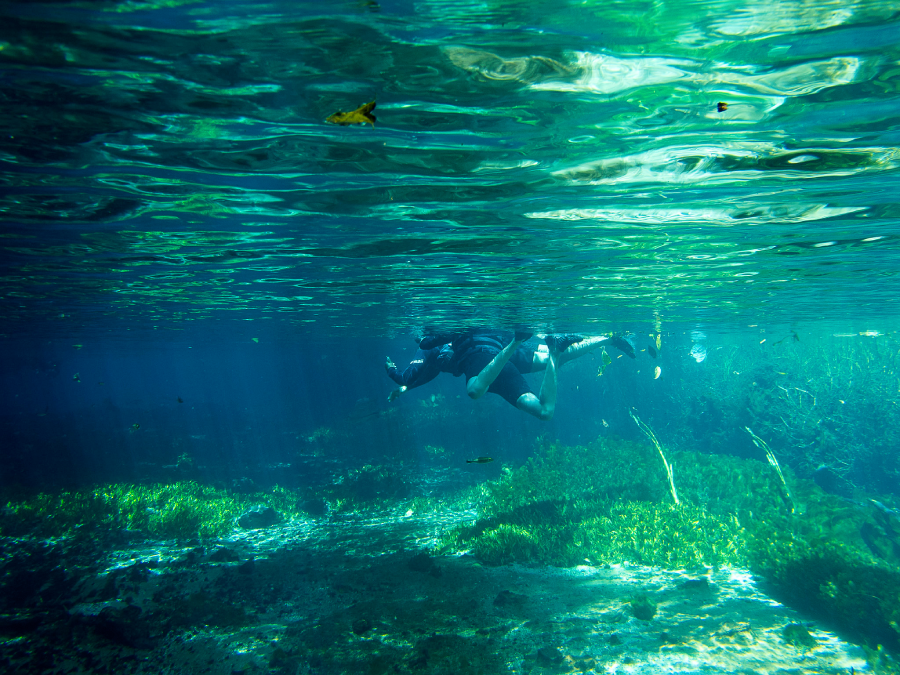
798, 635
424, 563
643, 608
549, 656
124, 627
223, 554
315, 506
699, 585
259, 517
361, 626
510, 599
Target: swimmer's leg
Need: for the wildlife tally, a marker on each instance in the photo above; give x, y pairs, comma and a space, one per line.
579, 349
543, 407
478, 385
574, 351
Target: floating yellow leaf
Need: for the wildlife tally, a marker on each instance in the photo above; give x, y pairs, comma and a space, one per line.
605, 360
362, 115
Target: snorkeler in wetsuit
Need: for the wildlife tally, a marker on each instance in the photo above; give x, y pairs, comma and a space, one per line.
494, 362
426, 365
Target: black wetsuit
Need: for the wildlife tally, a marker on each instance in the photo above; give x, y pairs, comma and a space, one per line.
471, 352
476, 349
426, 365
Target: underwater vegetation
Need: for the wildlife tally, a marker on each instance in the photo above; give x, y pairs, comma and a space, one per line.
189, 509
834, 404
180, 510
602, 503
367, 488
610, 502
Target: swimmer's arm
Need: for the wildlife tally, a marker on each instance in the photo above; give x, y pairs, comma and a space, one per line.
394, 375
396, 393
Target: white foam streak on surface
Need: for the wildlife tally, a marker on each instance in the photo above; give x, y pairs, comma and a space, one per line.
606, 74
726, 162
777, 213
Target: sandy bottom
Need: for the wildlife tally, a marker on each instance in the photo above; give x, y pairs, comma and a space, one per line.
360, 596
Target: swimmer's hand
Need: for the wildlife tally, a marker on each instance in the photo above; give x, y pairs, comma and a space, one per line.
396, 393
388, 364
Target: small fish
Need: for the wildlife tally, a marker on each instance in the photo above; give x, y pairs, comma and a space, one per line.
76, 377
480, 460
135, 427
362, 115
652, 351
657, 372
722, 106
78, 346
658, 341
179, 400
605, 423
255, 340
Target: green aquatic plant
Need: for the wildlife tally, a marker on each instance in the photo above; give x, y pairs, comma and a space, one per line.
68, 511
601, 503
367, 488
612, 469
185, 462
178, 510
832, 401
606, 503
830, 563
601, 531
435, 451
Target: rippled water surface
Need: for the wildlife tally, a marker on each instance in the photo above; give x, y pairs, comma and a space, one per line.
559, 163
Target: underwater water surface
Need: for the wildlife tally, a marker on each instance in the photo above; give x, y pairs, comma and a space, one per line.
217, 219
561, 163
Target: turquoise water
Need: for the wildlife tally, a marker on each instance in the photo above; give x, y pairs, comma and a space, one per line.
566, 164
201, 277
